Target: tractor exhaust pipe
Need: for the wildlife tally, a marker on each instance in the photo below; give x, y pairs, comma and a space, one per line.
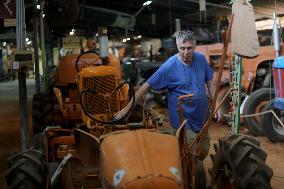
103, 42
276, 35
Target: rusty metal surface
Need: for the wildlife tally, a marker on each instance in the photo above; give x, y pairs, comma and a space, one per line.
88, 148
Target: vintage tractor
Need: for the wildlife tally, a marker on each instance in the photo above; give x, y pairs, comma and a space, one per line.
272, 122
256, 82
99, 151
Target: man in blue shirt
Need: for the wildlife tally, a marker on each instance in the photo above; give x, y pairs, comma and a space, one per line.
187, 72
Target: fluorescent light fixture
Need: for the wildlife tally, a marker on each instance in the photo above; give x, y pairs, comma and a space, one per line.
268, 24
147, 3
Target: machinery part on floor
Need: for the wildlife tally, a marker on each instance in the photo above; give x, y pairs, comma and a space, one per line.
239, 162
42, 112
255, 104
272, 129
27, 169
236, 94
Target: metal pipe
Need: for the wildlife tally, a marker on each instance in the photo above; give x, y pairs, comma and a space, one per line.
103, 42
36, 46
276, 35
20, 36
42, 45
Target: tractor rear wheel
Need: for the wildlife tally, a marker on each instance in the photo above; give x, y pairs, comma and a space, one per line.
239, 162
255, 104
42, 112
27, 169
272, 129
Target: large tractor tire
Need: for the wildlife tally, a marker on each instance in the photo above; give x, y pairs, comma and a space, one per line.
272, 129
239, 162
256, 103
42, 112
27, 169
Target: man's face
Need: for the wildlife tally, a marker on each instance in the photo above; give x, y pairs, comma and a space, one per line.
185, 50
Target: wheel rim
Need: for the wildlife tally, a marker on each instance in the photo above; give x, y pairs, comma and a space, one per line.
259, 108
276, 125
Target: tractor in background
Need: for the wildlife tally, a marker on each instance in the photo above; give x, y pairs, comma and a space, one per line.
256, 83
272, 122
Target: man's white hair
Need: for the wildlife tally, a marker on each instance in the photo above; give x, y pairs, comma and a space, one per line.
186, 35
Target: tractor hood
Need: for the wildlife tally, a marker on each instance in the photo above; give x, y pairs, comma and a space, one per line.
141, 159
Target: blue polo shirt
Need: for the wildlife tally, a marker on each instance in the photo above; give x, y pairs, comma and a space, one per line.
181, 79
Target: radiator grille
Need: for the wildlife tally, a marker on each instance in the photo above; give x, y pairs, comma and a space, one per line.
96, 103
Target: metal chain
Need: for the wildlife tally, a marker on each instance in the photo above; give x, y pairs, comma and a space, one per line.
236, 94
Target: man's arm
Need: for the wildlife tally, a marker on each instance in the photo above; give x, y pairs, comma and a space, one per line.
138, 96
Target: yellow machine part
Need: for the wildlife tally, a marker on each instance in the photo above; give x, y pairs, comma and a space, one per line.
104, 79
67, 68
140, 159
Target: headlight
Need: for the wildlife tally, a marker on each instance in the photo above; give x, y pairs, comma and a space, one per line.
176, 173
118, 176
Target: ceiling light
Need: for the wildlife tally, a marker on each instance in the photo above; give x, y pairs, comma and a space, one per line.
147, 3
128, 38
124, 40
139, 36
72, 32
38, 7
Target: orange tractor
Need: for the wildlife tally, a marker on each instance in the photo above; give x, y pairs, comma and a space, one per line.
256, 82
91, 149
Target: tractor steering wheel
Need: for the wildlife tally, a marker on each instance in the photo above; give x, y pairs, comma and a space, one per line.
88, 52
113, 120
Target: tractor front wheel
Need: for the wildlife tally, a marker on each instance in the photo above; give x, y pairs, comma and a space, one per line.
273, 130
27, 169
239, 163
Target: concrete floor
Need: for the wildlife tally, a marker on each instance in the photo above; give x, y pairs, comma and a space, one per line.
10, 134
